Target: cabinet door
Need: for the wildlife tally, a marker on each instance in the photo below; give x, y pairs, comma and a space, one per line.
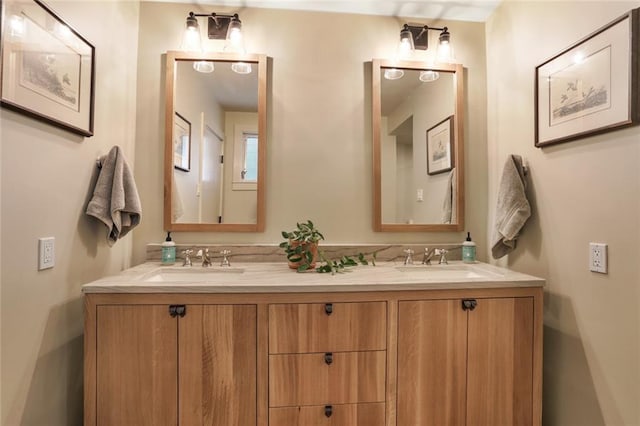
218, 365
136, 358
432, 360
500, 363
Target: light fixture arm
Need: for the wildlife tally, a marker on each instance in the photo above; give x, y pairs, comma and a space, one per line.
218, 24
419, 34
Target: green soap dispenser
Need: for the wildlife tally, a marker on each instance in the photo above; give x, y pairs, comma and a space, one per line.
468, 250
168, 251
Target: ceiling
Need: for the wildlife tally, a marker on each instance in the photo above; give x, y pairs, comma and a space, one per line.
460, 10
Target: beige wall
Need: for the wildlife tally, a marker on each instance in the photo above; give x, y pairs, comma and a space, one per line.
46, 176
581, 191
319, 121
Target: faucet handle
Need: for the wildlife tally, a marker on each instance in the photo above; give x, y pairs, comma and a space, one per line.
187, 257
225, 261
409, 259
443, 256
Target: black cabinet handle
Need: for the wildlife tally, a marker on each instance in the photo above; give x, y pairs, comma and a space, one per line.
328, 410
469, 304
177, 310
328, 358
328, 308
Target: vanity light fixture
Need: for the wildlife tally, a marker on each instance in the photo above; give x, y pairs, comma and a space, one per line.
414, 37
417, 37
219, 27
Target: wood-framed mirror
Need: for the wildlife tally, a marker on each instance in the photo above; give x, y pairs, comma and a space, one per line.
215, 142
418, 146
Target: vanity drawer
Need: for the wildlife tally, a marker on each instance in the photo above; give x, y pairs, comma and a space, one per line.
320, 327
371, 414
326, 378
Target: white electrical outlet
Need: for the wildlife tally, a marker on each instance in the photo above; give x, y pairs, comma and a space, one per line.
420, 195
46, 253
598, 257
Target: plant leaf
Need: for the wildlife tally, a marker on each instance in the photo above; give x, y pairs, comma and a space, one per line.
303, 267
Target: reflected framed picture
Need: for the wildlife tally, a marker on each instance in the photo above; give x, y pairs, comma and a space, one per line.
48, 70
590, 87
440, 147
181, 143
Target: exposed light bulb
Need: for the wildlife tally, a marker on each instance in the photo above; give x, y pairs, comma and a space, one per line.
429, 75
235, 41
203, 66
393, 74
191, 39
241, 67
406, 44
445, 52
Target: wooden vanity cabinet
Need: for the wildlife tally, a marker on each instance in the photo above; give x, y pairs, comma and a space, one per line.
155, 366
466, 362
444, 357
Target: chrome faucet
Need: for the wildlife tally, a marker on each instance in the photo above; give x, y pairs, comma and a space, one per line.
225, 261
443, 256
409, 259
206, 260
187, 257
428, 255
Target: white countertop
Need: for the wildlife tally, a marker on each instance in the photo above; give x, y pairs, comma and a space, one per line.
152, 277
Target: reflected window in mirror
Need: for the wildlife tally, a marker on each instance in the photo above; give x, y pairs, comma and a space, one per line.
417, 146
223, 189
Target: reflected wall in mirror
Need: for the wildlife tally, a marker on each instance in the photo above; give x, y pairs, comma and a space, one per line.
417, 146
222, 188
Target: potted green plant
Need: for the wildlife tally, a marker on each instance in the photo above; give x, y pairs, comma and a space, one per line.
301, 249
301, 246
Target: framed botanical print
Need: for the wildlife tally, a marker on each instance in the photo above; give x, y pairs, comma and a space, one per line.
590, 87
48, 68
440, 147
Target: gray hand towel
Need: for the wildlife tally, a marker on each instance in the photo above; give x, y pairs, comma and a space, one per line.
115, 200
512, 210
450, 205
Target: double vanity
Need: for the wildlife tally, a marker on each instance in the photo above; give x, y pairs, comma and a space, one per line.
258, 344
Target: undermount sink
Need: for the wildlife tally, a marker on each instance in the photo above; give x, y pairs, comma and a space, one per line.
446, 272
189, 275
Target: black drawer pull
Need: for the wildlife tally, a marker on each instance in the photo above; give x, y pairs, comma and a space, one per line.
177, 310
469, 304
328, 308
328, 358
328, 410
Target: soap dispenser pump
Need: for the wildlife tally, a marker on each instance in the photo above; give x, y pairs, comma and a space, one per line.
168, 251
468, 250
